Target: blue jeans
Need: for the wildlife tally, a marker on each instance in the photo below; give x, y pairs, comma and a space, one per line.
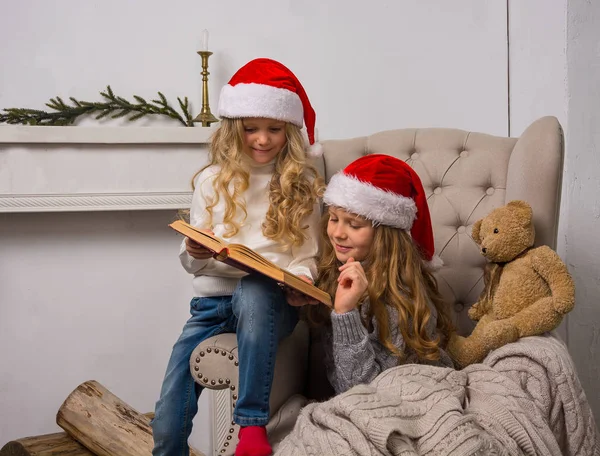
261, 317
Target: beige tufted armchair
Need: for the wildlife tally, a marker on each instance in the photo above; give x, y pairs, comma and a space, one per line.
466, 175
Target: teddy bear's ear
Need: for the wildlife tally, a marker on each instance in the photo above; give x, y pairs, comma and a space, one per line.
523, 211
475, 231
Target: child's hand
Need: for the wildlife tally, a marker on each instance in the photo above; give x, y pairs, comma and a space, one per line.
196, 250
297, 299
352, 284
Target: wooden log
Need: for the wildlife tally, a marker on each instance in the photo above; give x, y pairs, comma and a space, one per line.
104, 424
58, 444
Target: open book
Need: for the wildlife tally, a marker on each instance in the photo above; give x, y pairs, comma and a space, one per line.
246, 259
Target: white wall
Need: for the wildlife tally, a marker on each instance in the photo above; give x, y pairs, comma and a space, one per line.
395, 64
101, 295
85, 296
583, 161
538, 62
554, 70
538, 80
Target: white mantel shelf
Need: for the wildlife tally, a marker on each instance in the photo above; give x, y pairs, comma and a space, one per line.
82, 202
15, 134
113, 199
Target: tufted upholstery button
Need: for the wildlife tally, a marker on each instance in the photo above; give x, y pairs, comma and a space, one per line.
490, 191
459, 306
461, 229
415, 156
437, 190
464, 154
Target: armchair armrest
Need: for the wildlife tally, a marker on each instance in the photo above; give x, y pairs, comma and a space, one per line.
214, 365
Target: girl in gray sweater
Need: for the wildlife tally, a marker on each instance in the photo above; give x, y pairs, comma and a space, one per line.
376, 261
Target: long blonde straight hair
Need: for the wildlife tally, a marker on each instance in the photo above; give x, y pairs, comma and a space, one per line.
293, 191
397, 277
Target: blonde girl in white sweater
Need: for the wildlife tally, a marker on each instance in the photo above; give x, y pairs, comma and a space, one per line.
259, 190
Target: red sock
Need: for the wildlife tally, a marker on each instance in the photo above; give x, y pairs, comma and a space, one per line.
253, 442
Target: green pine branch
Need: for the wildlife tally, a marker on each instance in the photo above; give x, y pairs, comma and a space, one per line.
111, 106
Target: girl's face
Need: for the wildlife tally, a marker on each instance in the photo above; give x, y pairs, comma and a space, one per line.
263, 138
350, 235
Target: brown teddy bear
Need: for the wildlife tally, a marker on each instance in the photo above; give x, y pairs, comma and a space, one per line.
527, 290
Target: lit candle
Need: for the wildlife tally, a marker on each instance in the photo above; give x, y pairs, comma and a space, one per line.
204, 40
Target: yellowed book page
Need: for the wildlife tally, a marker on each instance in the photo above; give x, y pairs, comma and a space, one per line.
255, 261
243, 257
248, 252
261, 264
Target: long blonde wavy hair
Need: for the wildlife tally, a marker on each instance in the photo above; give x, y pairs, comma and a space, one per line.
293, 191
397, 277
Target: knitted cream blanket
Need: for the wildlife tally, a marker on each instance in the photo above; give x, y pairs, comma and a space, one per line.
524, 399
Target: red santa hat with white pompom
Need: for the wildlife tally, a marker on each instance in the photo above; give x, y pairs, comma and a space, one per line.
386, 191
266, 88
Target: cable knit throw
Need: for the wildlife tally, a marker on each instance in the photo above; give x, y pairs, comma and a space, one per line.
524, 399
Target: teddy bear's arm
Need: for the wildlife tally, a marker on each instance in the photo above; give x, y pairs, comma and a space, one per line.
479, 309
546, 313
483, 305
551, 268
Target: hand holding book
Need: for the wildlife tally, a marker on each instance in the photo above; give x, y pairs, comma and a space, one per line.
196, 250
296, 298
246, 259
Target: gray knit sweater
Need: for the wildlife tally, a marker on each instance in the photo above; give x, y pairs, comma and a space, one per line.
354, 356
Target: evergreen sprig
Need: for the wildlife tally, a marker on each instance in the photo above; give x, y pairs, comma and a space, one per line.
111, 105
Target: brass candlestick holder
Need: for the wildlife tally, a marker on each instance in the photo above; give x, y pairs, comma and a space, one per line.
205, 116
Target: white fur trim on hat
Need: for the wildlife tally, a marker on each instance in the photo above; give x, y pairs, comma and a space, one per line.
315, 151
434, 264
373, 203
260, 100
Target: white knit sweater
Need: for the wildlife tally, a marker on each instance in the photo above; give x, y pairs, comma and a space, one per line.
524, 399
214, 278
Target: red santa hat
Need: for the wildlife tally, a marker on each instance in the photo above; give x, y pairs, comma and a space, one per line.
387, 191
266, 88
